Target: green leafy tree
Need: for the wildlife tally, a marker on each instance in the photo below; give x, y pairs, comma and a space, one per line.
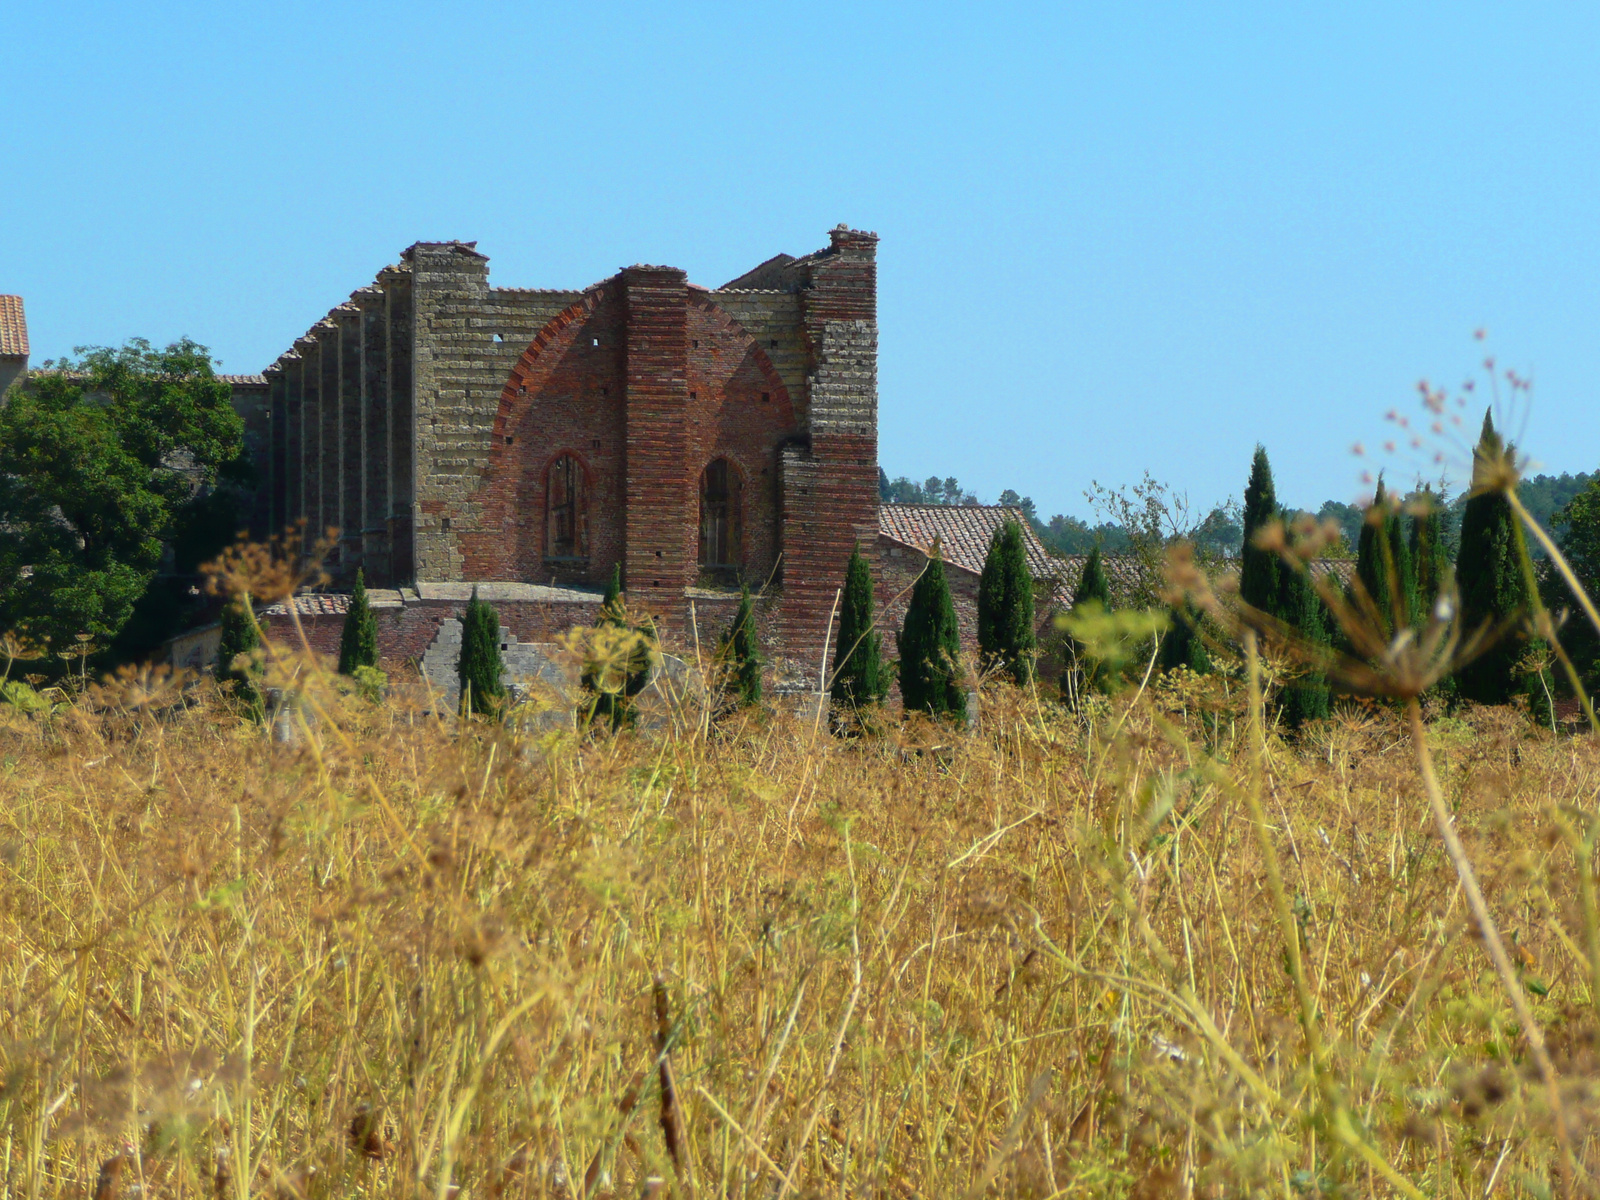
1494, 590
358, 641
480, 665
859, 677
101, 461
930, 646
239, 666
1383, 563
1005, 605
1260, 571
743, 652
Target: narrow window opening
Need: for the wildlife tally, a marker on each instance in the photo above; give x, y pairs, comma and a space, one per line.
499, 338
773, 344
721, 504
447, 524
695, 343
566, 510
596, 341
766, 397
510, 439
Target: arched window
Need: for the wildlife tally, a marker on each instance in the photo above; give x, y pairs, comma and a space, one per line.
566, 510
721, 510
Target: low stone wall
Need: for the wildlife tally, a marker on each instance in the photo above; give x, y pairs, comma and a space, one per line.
406, 631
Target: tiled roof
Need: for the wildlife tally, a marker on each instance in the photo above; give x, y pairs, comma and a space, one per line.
964, 532
244, 380
13, 327
312, 604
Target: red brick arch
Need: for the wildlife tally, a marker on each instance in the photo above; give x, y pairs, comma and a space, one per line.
567, 394
563, 396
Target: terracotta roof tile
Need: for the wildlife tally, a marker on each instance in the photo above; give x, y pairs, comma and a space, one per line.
13, 327
964, 532
312, 604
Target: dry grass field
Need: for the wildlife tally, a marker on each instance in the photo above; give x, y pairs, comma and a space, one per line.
1135, 952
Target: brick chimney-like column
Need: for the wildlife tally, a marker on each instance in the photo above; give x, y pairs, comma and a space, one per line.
661, 521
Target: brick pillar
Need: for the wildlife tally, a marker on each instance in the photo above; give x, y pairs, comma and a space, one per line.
294, 498
277, 493
347, 317
400, 317
310, 352
375, 436
660, 521
327, 334
830, 490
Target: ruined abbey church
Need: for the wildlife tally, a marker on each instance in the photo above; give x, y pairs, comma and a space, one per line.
458, 432
529, 441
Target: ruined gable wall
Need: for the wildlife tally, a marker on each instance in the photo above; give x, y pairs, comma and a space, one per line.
738, 409
458, 373
565, 395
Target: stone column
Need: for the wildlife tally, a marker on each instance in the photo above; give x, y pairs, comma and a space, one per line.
347, 317
400, 317
327, 334
277, 501
310, 352
375, 451
661, 524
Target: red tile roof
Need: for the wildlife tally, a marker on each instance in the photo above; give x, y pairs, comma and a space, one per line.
964, 532
13, 327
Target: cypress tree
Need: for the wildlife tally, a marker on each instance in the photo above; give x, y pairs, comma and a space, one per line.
480, 666
614, 706
1430, 560
1305, 698
358, 642
930, 645
1383, 564
1093, 584
1093, 587
238, 640
858, 674
1493, 588
744, 651
611, 606
1005, 605
1260, 572
1182, 646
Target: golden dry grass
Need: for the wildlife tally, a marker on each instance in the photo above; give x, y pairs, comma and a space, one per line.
1038, 960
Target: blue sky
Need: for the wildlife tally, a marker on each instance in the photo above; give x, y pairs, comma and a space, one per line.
1115, 238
